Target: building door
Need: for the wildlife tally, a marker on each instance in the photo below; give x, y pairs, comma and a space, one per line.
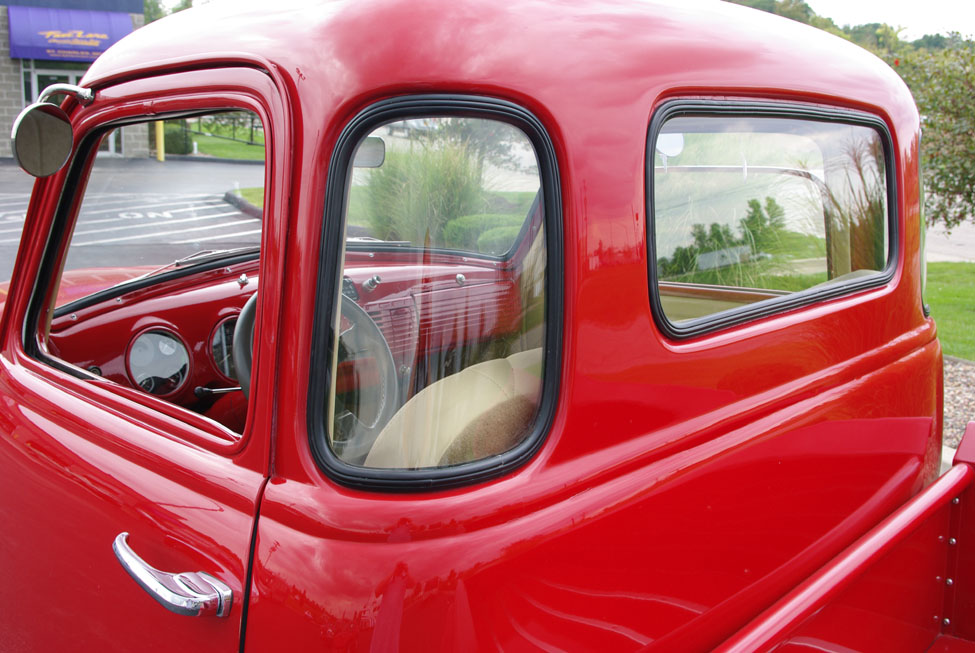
42, 78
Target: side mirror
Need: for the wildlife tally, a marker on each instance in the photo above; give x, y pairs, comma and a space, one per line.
670, 144
371, 153
42, 139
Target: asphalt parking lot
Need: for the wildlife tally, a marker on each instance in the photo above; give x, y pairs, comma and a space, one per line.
142, 210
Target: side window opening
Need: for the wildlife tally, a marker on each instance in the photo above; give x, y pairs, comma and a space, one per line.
438, 357
751, 210
149, 288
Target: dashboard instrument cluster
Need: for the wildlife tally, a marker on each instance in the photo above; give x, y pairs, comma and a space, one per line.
174, 339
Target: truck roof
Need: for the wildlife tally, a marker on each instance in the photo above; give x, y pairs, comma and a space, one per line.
605, 53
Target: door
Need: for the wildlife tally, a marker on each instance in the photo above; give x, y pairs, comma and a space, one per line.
131, 463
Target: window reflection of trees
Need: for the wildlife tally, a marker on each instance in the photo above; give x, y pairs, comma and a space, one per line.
772, 227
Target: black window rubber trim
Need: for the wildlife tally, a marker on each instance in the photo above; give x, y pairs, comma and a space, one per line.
74, 180
765, 308
339, 172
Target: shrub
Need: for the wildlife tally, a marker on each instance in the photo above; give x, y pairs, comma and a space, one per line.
463, 232
417, 192
498, 240
177, 137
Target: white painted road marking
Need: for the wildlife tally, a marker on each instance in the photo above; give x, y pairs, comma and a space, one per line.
150, 219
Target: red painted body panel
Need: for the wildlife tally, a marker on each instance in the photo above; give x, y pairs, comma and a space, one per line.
886, 592
684, 486
73, 479
960, 597
84, 460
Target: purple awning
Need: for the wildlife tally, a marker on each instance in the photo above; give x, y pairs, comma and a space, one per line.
64, 34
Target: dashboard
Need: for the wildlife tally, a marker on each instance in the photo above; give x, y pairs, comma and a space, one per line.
174, 339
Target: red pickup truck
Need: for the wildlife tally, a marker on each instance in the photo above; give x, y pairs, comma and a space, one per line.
535, 326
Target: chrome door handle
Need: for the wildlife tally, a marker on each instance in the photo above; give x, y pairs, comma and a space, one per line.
195, 594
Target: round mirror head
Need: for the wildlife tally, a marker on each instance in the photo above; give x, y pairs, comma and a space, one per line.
42, 139
670, 145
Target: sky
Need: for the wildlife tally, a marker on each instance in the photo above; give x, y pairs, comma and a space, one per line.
917, 18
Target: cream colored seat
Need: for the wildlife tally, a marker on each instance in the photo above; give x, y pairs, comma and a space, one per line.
480, 411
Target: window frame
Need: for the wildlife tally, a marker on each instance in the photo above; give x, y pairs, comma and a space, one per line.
329, 274
172, 420
66, 215
714, 108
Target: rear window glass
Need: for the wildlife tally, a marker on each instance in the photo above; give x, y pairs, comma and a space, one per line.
753, 209
440, 335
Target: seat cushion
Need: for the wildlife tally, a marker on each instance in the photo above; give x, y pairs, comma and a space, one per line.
480, 411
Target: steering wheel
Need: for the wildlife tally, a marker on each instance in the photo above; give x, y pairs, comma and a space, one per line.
366, 384
243, 347
364, 359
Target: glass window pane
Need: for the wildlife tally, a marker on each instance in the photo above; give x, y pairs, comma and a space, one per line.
28, 89
160, 261
750, 209
441, 330
140, 217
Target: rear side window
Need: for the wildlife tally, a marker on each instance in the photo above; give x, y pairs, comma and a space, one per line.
756, 213
440, 346
439, 341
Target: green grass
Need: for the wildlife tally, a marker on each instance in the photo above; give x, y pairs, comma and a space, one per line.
951, 295
513, 202
519, 202
253, 195
359, 206
242, 133
226, 149
751, 276
796, 245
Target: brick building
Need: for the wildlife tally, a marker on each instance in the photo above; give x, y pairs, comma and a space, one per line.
45, 42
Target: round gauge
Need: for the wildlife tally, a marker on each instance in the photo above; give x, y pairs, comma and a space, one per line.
167, 347
158, 362
222, 348
140, 355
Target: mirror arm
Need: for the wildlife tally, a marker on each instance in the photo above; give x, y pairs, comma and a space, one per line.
83, 95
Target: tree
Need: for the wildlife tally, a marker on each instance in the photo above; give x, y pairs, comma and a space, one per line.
941, 74
796, 10
714, 238
931, 42
488, 140
152, 10
762, 228
762, 5
943, 83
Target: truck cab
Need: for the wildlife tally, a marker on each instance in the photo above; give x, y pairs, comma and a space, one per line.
568, 327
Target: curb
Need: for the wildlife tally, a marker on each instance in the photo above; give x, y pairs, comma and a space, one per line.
242, 205
211, 159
